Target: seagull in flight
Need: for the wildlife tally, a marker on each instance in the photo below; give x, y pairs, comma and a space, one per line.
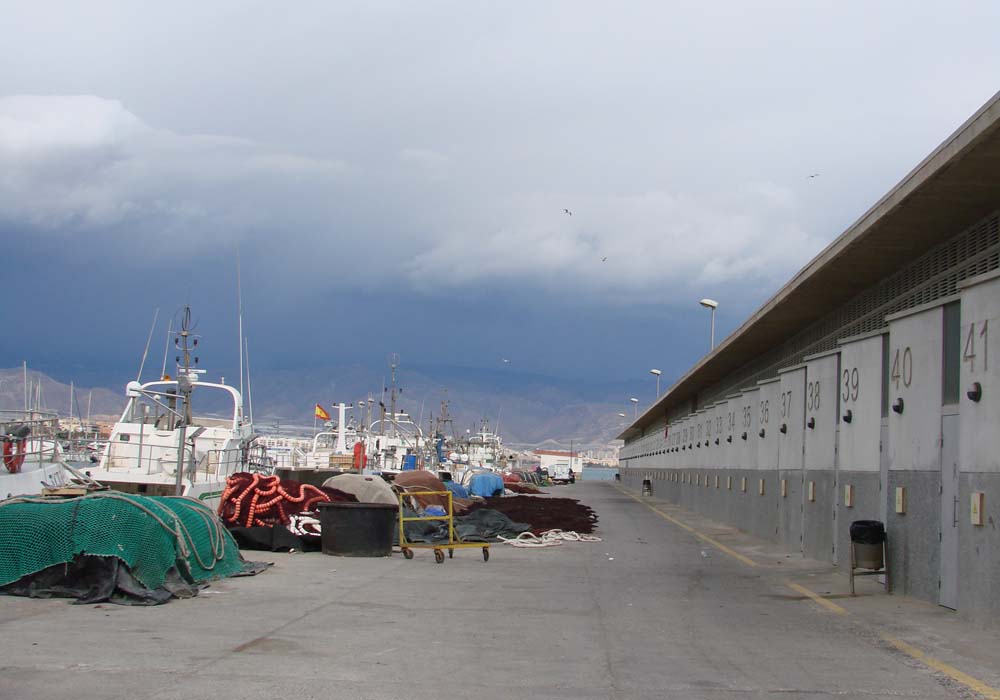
505, 360
604, 259
568, 212
812, 176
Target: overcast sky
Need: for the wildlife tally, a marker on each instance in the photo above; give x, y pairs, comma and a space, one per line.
395, 174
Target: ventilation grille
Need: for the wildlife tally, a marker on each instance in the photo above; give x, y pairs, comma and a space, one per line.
932, 276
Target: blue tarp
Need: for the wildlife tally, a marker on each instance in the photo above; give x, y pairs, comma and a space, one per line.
486, 484
457, 490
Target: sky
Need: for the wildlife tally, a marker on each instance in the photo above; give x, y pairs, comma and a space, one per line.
554, 183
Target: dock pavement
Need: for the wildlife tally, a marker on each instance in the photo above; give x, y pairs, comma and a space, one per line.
668, 605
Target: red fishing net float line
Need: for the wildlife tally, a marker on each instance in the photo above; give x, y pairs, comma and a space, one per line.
258, 500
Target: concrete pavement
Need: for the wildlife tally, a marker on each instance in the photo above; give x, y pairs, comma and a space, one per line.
660, 608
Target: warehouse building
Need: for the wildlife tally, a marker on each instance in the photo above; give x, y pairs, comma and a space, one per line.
863, 389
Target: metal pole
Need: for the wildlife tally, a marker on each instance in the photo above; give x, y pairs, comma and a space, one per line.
657, 386
571, 456
713, 329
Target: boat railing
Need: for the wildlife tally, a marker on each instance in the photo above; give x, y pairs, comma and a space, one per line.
220, 464
29, 437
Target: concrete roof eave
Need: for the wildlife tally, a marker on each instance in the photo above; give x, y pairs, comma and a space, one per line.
952, 188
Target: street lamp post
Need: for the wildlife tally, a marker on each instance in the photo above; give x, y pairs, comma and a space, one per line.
713, 305
635, 404
656, 373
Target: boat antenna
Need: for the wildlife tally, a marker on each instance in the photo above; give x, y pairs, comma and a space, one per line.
239, 312
166, 348
149, 339
246, 342
499, 412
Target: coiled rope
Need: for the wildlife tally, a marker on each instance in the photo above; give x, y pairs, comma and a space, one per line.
549, 538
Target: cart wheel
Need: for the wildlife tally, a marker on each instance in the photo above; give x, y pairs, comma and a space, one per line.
438, 556
408, 553
451, 553
486, 553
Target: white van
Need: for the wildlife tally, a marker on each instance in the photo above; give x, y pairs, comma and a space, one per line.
560, 473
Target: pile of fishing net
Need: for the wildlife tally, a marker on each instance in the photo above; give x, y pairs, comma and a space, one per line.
267, 513
522, 487
256, 499
423, 481
544, 513
114, 547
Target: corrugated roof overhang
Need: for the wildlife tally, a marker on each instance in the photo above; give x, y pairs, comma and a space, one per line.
952, 188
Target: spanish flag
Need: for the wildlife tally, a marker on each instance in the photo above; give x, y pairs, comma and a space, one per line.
321, 414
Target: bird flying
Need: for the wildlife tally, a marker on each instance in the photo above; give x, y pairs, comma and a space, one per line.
812, 176
568, 212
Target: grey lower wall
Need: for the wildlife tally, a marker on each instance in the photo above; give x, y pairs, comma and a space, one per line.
790, 509
979, 550
764, 523
696, 490
866, 507
914, 549
818, 514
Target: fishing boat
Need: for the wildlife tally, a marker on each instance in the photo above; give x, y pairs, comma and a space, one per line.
32, 455
159, 447
485, 448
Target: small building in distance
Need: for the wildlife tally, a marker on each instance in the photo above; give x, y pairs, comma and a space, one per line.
548, 459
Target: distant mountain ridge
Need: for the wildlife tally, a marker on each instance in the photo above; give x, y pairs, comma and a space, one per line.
531, 410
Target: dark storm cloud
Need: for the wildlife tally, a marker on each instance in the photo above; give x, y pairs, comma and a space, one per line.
396, 173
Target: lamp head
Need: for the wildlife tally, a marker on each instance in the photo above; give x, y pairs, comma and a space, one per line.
633, 399
655, 372
709, 303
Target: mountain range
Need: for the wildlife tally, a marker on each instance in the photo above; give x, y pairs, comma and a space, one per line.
530, 410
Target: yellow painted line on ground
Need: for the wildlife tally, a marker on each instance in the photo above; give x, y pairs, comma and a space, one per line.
684, 526
965, 679
987, 691
817, 598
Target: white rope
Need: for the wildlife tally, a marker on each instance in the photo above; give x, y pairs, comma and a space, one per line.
549, 538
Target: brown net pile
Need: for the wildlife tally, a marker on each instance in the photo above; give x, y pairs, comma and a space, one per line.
522, 487
256, 500
544, 513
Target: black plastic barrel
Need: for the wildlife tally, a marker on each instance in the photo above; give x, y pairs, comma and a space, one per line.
867, 532
867, 537
357, 529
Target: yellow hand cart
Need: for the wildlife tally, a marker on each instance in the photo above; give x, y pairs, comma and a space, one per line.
453, 542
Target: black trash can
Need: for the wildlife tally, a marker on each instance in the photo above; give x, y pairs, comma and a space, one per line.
867, 537
357, 529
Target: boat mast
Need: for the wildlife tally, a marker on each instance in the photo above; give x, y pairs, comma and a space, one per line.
149, 338
246, 342
184, 374
239, 313
393, 363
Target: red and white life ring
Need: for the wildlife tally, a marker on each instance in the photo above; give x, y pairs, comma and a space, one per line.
13, 454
